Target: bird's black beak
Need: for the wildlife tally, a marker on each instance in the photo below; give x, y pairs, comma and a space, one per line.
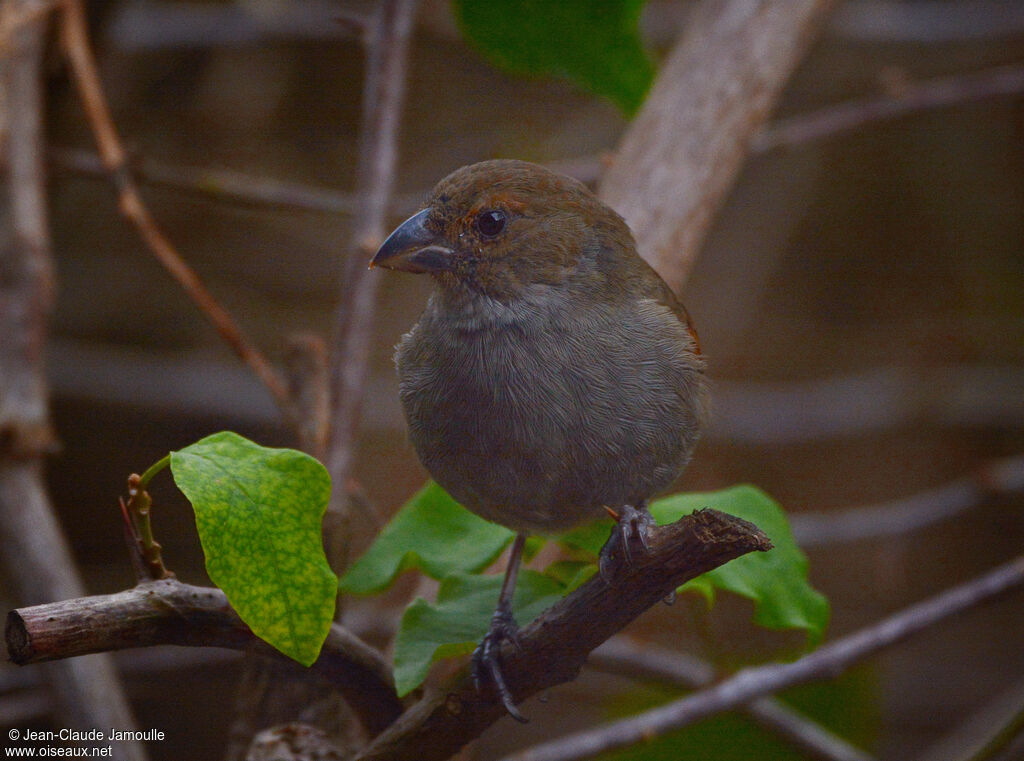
412, 247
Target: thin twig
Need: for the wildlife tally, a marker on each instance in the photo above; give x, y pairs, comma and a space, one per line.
872, 400
911, 98
753, 683
649, 662
160, 25
383, 96
168, 612
927, 22
245, 188
384, 89
222, 184
305, 363
900, 517
86, 76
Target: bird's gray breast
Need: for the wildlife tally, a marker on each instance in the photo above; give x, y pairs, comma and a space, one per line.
536, 415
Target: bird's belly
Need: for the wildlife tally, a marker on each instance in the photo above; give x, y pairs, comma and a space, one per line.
530, 441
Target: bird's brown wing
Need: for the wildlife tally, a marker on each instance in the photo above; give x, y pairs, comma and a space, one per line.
661, 293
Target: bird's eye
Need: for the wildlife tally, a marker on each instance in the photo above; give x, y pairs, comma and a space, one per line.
490, 222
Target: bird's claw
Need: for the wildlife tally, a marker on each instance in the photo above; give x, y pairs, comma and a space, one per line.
486, 659
633, 526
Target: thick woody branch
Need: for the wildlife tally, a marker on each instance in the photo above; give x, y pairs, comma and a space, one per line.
168, 612
556, 644
685, 148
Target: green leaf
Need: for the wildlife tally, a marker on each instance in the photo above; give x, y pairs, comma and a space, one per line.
259, 513
596, 45
456, 623
433, 533
776, 581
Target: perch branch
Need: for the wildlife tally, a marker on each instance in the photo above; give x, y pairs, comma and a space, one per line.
754, 683
168, 612
555, 645
682, 152
649, 662
75, 37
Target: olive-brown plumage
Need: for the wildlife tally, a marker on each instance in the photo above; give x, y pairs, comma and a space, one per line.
553, 373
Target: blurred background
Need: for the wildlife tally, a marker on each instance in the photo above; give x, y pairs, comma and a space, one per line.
860, 300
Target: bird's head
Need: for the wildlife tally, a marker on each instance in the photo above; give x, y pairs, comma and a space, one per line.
500, 227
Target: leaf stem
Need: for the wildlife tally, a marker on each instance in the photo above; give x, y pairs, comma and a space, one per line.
138, 509
153, 469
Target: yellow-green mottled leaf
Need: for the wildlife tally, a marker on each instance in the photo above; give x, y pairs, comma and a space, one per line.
259, 514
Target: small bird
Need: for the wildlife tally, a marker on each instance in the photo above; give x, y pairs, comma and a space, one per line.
553, 375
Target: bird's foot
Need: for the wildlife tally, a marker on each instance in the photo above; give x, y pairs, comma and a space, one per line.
632, 527
486, 658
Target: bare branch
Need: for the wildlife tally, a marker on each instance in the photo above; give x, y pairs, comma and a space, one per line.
168, 612
753, 683
876, 399
910, 98
685, 148
306, 369
555, 645
923, 21
223, 184
649, 662
86, 76
786, 133
383, 96
156, 25
900, 517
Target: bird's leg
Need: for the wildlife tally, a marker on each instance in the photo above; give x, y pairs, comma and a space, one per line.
503, 627
632, 526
